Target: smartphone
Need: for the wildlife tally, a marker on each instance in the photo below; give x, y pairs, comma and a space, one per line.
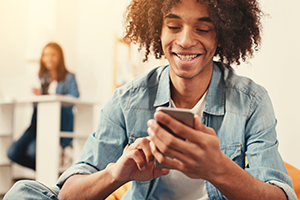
185, 116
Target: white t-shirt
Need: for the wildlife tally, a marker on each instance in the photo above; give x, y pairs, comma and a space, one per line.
52, 87
176, 185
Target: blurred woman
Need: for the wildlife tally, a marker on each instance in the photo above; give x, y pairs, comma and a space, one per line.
55, 79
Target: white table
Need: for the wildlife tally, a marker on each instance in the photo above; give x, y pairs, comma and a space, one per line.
48, 132
6, 130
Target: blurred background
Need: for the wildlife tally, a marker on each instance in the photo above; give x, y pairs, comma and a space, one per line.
89, 32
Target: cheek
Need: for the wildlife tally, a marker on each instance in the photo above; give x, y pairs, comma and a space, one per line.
166, 45
211, 44
164, 38
163, 46
43, 60
56, 59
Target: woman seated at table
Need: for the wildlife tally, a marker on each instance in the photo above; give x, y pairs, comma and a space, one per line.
55, 79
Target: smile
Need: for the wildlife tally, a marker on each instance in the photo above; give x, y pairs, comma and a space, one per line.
187, 57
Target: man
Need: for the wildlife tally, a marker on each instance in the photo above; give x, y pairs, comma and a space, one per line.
237, 118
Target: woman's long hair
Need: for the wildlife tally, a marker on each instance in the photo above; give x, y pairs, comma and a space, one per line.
61, 68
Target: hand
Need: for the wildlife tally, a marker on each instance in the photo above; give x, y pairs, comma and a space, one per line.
136, 163
37, 91
198, 156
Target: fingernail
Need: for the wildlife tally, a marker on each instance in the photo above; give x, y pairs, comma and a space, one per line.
151, 123
149, 131
151, 144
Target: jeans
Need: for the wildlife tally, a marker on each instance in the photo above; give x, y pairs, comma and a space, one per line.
23, 151
27, 189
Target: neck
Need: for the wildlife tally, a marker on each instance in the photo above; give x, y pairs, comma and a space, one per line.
187, 92
53, 75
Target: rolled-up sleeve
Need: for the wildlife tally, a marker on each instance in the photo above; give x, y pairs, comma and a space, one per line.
289, 192
79, 168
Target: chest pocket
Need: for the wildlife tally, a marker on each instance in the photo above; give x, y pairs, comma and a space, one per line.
234, 152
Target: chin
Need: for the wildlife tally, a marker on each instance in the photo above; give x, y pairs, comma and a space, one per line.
186, 76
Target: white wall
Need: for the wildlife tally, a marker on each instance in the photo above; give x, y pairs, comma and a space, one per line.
13, 23
98, 21
85, 29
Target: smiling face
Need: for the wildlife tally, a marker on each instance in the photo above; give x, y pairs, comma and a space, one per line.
189, 39
50, 58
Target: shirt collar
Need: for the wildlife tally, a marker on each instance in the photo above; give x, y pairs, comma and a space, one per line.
215, 99
163, 91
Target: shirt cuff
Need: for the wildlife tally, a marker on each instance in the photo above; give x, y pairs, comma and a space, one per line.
289, 191
80, 168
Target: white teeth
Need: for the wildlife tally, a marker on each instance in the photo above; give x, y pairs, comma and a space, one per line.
187, 57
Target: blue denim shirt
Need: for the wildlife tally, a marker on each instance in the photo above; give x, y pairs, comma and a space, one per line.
239, 110
68, 86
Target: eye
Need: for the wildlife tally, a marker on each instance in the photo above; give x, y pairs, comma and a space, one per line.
173, 27
202, 30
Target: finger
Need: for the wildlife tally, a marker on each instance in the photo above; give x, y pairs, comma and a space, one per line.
184, 151
198, 125
177, 148
177, 127
162, 159
138, 157
143, 145
147, 152
163, 140
157, 172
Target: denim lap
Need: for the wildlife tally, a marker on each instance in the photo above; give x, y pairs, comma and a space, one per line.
28, 189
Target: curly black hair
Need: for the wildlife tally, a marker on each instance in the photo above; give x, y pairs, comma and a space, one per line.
237, 23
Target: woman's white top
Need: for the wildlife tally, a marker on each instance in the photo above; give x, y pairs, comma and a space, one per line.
52, 87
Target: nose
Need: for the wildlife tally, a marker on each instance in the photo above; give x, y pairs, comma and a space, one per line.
186, 38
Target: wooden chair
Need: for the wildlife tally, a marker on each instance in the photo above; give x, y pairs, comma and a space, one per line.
295, 175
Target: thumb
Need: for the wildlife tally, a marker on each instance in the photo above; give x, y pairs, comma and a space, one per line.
198, 125
159, 172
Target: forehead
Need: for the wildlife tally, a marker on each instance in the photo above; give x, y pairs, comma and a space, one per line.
50, 49
189, 9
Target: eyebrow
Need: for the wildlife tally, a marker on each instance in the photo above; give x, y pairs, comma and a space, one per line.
200, 19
